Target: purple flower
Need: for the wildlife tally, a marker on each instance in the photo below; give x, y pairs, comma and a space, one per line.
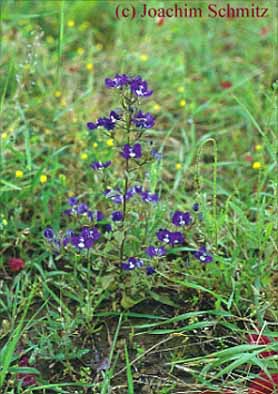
150, 270
95, 215
68, 212
86, 238
98, 165
72, 201
98, 216
172, 238
176, 238
49, 233
155, 154
114, 195
142, 120
90, 233
92, 126
153, 251
67, 238
149, 197
107, 228
131, 152
181, 218
117, 216
107, 123
202, 255
118, 82
195, 207
140, 87
81, 209
138, 188
164, 235
132, 191
132, 263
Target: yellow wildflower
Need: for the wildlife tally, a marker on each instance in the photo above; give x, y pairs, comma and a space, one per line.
99, 46
43, 178
144, 57
4, 136
182, 103
258, 147
80, 51
156, 107
89, 66
71, 23
95, 145
84, 156
178, 166
19, 174
58, 93
110, 142
256, 165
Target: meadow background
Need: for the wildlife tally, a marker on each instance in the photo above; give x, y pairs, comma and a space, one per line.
83, 329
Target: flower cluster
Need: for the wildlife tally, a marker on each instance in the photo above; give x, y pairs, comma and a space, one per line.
181, 218
142, 120
131, 152
117, 197
107, 123
170, 237
82, 210
132, 121
98, 165
154, 251
84, 239
132, 263
137, 85
202, 255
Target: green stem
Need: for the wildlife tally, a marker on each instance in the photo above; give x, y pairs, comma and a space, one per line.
126, 176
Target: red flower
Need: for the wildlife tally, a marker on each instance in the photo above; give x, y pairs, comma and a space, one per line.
27, 379
249, 158
257, 339
24, 361
264, 31
264, 384
16, 264
160, 21
226, 84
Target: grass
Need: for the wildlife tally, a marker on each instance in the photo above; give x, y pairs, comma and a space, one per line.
86, 325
